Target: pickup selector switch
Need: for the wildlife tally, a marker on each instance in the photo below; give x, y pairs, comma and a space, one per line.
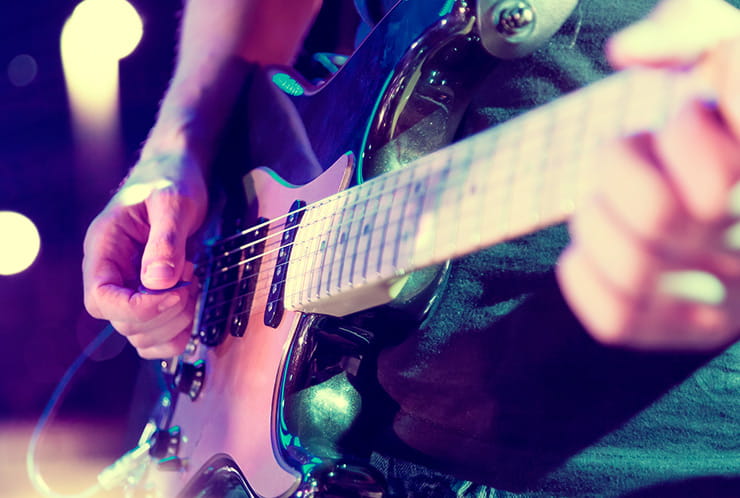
165, 443
189, 378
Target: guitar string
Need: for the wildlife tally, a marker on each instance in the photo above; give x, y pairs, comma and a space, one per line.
319, 203
254, 228
410, 181
326, 201
354, 205
281, 232
348, 223
335, 197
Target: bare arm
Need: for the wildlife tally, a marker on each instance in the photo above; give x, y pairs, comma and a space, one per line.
141, 234
208, 75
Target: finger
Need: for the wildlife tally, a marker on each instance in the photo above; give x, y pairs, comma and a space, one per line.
621, 258
173, 347
164, 254
656, 320
722, 68
637, 194
109, 259
161, 334
607, 314
676, 33
682, 323
126, 305
701, 159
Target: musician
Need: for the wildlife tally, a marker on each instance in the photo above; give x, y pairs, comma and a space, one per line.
598, 358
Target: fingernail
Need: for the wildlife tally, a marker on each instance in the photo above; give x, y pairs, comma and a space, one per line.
693, 285
734, 200
160, 270
168, 302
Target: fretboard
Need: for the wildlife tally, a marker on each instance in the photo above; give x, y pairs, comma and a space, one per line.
512, 179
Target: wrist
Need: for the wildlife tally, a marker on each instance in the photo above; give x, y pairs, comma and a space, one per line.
195, 110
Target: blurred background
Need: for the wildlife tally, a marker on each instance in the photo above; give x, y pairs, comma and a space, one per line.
65, 144
79, 86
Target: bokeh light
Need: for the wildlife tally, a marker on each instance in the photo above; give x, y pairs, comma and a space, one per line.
22, 70
19, 242
94, 39
106, 28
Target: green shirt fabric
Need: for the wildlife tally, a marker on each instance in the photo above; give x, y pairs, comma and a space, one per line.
502, 387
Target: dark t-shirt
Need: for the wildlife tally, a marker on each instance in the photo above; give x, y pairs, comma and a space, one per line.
502, 385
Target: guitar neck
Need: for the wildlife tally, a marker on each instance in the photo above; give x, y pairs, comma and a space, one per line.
513, 179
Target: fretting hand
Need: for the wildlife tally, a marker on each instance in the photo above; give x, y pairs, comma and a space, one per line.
655, 258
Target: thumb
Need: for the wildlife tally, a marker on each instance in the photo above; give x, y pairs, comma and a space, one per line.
163, 260
675, 33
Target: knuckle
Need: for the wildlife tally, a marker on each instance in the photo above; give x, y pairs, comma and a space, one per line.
141, 309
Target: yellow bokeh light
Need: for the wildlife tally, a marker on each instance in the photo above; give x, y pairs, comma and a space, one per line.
95, 37
19, 242
102, 28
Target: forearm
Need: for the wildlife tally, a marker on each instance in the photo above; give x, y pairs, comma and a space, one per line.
217, 38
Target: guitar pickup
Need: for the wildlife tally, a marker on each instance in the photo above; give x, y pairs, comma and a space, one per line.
231, 285
275, 307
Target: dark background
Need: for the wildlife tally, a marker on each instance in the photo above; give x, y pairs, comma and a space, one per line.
43, 324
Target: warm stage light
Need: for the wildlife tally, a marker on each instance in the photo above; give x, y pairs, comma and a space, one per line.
19, 242
104, 28
95, 37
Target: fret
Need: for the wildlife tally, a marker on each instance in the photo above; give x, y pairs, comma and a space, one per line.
405, 188
329, 242
350, 236
335, 242
394, 218
413, 190
499, 190
363, 227
367, 214
380, 230
436, 168
472, 196
347, 239
313, 231
447, 197
504, 182
367, 229
423, 245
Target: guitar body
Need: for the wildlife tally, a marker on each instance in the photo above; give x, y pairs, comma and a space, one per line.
258, 407
270, 398
233, 413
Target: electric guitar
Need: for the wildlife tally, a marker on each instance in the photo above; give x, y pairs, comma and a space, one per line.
263, 400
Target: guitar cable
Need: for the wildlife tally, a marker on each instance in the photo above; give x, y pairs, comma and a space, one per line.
114, 475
